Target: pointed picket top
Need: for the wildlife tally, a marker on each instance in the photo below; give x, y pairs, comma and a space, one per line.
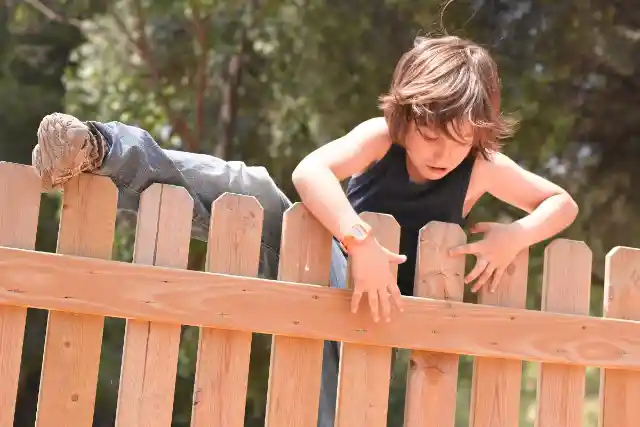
89, 206
236, 222
567, 261
163, 229
439, 275
621, 301
565, 289
432, 379
73, 341
385, 228
305, 249
20, 190
622, 283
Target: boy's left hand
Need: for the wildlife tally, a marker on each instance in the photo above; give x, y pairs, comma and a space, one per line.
499, 247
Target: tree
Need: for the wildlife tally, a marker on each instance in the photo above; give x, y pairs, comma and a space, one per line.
266, 81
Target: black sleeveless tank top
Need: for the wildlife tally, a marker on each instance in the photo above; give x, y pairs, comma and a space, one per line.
386, 188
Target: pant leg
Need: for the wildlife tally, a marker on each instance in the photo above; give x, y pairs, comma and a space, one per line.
331, 350
135, 161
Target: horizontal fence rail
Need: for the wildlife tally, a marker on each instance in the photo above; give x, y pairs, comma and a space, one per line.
213, 300
80, 285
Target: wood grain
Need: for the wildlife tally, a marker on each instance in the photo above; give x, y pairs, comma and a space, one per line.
365, 370
150, 354
222, 366
620, 390
432, 378
19, 210
566, 289
495, 385
57, 282
296, 363
74, 341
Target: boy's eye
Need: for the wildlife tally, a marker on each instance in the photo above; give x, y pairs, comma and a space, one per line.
466, 140
428, 133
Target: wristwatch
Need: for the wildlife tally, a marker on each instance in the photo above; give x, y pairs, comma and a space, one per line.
355, 235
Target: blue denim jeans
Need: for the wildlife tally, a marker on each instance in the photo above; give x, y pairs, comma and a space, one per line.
135, 161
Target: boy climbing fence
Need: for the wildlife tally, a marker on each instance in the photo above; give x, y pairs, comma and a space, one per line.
81, 285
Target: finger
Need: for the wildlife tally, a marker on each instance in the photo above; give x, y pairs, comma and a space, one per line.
480, 266
471, 248
484, 277
372, 296
482, 227
394, 257
396, 296
355, 300
384, 303
497, 278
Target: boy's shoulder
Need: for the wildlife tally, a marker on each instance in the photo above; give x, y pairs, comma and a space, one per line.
487, 169
504, 178
493, 164
372, 136
374, 128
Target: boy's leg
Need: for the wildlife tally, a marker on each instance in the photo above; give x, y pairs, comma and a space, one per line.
133, 160
331, 351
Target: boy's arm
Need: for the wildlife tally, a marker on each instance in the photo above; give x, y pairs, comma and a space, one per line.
550, 208
317, 177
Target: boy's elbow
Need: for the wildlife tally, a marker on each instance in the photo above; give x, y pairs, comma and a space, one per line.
302, 174
298, 175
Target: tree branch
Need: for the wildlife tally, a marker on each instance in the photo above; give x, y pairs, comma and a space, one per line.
51, 14
202, 81
142, 45
230, 88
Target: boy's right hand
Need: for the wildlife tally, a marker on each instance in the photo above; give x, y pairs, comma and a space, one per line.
371, 273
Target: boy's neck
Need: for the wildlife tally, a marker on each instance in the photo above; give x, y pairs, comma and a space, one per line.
414, 175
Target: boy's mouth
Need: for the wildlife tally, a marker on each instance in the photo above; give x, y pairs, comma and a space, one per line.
436, 169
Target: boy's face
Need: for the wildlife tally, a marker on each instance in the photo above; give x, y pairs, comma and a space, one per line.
433, 153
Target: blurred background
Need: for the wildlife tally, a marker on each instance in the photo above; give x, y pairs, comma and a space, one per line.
266, 81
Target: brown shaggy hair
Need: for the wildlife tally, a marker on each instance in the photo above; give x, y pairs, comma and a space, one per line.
441, 82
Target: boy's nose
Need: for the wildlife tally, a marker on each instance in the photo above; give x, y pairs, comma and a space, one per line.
438, 154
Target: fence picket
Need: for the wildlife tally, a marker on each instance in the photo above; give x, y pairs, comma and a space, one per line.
150, 354
364, 375
495, 387
296, 363
19, 209
73, 341
566, 289
80, 291
222, 366
620, 389
432, 378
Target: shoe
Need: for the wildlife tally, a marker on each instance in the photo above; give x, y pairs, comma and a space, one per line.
66, 148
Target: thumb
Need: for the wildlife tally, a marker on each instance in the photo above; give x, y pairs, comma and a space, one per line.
394, 257
482, 227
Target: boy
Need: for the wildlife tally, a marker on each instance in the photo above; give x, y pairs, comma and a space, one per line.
431, 157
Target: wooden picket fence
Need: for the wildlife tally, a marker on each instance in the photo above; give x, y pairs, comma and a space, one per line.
80, 285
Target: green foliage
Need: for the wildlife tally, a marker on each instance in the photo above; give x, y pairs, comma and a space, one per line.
266, 81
